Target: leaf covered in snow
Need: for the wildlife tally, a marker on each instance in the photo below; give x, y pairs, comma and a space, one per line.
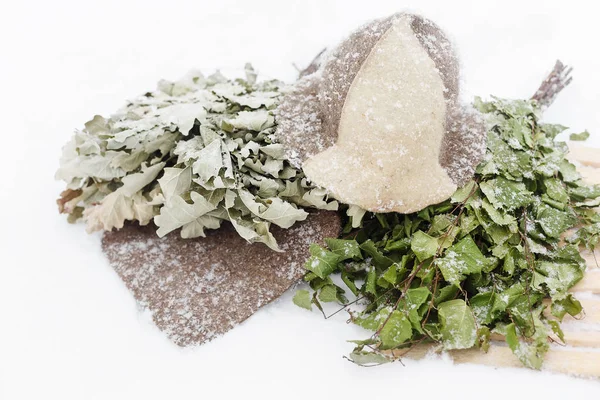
479, 263
190, 155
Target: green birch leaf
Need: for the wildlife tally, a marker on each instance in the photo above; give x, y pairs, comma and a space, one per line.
579, 137
423, 245
302, 299
396, 330
445, 293
567, 305
462, 194
368, 358
457, 325
439, 223
506, 194
557, 276
461, 259
322, 262
379, 260
583, 192
552, 130
483, 306
556, 190
531, 356
416, 297
497, 215
483, 338
554, 222
328, 293
371, 283
349, 283
555, 326
391, 274
568, 171
347, 249
373, 320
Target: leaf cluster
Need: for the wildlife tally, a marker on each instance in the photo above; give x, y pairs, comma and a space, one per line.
477, 264
188, 156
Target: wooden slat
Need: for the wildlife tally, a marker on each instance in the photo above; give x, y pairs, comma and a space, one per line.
572, 338
580, 338
587, 156
589, 283
592, 260
562, 360
590, 174
591, 279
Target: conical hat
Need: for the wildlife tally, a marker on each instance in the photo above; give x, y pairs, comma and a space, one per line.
379, 123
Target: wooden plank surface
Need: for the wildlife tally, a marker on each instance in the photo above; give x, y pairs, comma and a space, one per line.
577, 338
590, 174
588, 156
589, 339
592, 260
591, 279
579, 362
589, 283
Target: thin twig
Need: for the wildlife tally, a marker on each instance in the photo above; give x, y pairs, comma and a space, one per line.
439, 250
556, 81
314, 64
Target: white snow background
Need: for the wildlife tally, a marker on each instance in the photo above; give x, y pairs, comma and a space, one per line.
68, 327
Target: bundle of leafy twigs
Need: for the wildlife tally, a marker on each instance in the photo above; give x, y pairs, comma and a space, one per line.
187, 157
478, 263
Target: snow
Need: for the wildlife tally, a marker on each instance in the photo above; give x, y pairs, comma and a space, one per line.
70, 329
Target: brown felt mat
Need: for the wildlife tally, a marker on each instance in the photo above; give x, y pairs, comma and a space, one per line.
200, 288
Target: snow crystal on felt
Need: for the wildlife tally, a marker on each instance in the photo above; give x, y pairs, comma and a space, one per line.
199, 289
